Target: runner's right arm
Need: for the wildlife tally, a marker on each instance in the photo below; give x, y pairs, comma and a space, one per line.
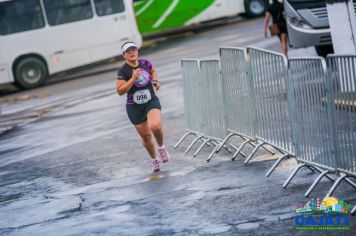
266, 23
123, 86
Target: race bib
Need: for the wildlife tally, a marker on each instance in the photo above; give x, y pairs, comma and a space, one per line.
142, 96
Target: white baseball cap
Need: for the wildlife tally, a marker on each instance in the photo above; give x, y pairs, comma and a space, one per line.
127, 45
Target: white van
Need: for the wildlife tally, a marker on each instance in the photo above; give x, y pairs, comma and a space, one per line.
308, 25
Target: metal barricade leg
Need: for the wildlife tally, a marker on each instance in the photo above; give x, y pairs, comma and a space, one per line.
215, 150
224, 141
316, 181
353, 184
240, 148
219, 146
192, 144
235, 148
216, 143
321, 171
243, 154
333, 188
253, 153
201, 146
293, 174
268, 150
312, 168
228, 149
182, 139
276, 164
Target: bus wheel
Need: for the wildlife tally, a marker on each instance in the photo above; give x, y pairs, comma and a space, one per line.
30, 72
255, 7
324, 50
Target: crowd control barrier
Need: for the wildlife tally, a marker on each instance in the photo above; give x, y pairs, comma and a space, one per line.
310, 118
268, 72
239, 105
342, 83
204, 108
303, 108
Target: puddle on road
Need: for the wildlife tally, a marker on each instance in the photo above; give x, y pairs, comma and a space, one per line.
157, 176
53, 134
215, 229
24, 97
248, 226
168, 173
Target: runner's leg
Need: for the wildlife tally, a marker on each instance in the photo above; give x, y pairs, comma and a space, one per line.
284, 44
144, 131
155, 125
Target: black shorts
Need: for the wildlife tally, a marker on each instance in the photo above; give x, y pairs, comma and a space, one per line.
283, 28
138, 112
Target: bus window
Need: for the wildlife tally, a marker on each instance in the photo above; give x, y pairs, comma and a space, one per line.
66, 11
108, 7
18, 16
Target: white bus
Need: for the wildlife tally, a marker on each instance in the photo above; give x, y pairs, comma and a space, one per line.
42, 37
157, 17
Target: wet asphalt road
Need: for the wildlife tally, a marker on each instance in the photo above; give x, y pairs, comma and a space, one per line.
78, 168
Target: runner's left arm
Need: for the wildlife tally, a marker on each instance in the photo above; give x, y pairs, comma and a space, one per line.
155, 81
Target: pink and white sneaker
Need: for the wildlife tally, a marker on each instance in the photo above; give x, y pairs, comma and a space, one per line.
164, 155
155, 165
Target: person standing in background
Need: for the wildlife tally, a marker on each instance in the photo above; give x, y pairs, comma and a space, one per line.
279, 24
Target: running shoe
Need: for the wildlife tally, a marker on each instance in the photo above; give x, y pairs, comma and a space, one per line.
155, 165
164, 155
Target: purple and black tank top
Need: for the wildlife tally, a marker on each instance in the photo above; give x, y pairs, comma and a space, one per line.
143, 82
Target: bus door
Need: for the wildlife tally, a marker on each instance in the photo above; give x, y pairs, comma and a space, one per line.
112, 27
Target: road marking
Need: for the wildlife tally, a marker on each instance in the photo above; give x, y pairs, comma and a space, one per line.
166, 14
149, 3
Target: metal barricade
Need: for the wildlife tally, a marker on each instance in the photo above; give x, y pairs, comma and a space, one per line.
212, 104
237, 91
192, 109
204, 104
211, 96
342, 83
306, 110
273, 126
311, 117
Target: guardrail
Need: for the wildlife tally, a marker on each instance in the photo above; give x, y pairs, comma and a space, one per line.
303, 108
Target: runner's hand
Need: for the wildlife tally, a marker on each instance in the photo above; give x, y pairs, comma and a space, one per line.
136, 73
156, 84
